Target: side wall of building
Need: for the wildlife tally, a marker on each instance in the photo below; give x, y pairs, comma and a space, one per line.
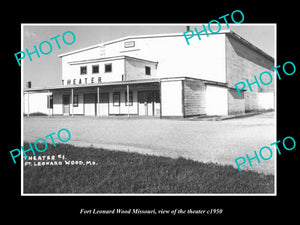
38, 103
194, 97
216, 100
116, 73
135, 69
202, 59
171, 98
236, 103
67, 69
244, 62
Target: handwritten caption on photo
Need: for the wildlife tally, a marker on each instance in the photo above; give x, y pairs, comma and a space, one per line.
56, 160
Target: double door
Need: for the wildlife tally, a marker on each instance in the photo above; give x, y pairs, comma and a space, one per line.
148, 103
66, 105
90, 101
90, 104
103, 104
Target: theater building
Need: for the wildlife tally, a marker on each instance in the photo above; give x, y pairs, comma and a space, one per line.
157, 75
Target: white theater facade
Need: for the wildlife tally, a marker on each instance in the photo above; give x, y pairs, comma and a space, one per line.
156, 75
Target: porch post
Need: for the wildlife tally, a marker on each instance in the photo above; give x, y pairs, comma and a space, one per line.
48, 98
98, 101
128, 100
72, 101
160, 108
28, 104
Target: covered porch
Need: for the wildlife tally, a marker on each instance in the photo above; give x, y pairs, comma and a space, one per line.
140, 98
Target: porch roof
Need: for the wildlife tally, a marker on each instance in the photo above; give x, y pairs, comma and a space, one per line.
121, 83
113, 83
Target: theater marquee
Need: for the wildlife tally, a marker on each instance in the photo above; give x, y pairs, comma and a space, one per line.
86, 80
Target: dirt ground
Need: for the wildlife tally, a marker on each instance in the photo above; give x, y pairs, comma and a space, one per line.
207, 141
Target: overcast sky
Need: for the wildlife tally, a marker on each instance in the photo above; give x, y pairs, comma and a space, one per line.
46, 70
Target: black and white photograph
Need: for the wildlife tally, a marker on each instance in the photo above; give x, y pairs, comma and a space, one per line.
165, 114
149, 109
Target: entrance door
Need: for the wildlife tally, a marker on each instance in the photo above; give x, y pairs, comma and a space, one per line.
90, 104
103, 105
146, 103
66, 105
150, 103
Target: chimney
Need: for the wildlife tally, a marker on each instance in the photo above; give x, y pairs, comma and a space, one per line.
187, 28
28, 84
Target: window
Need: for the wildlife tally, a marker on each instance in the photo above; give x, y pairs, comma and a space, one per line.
95, 69
147, 70
107, 68
130, 98
50, 102
83, 70
75, 100
116, 99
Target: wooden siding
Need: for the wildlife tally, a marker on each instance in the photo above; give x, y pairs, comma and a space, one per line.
236, 103
243, 62
194, 97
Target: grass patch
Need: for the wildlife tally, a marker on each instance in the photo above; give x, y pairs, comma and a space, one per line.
124, 172
35, 114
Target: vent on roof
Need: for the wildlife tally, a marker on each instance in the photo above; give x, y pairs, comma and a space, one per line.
129, 44
102, 51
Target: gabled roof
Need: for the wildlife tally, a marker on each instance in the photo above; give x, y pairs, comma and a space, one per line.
75, 86
101, 45
244, 41
227, 32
